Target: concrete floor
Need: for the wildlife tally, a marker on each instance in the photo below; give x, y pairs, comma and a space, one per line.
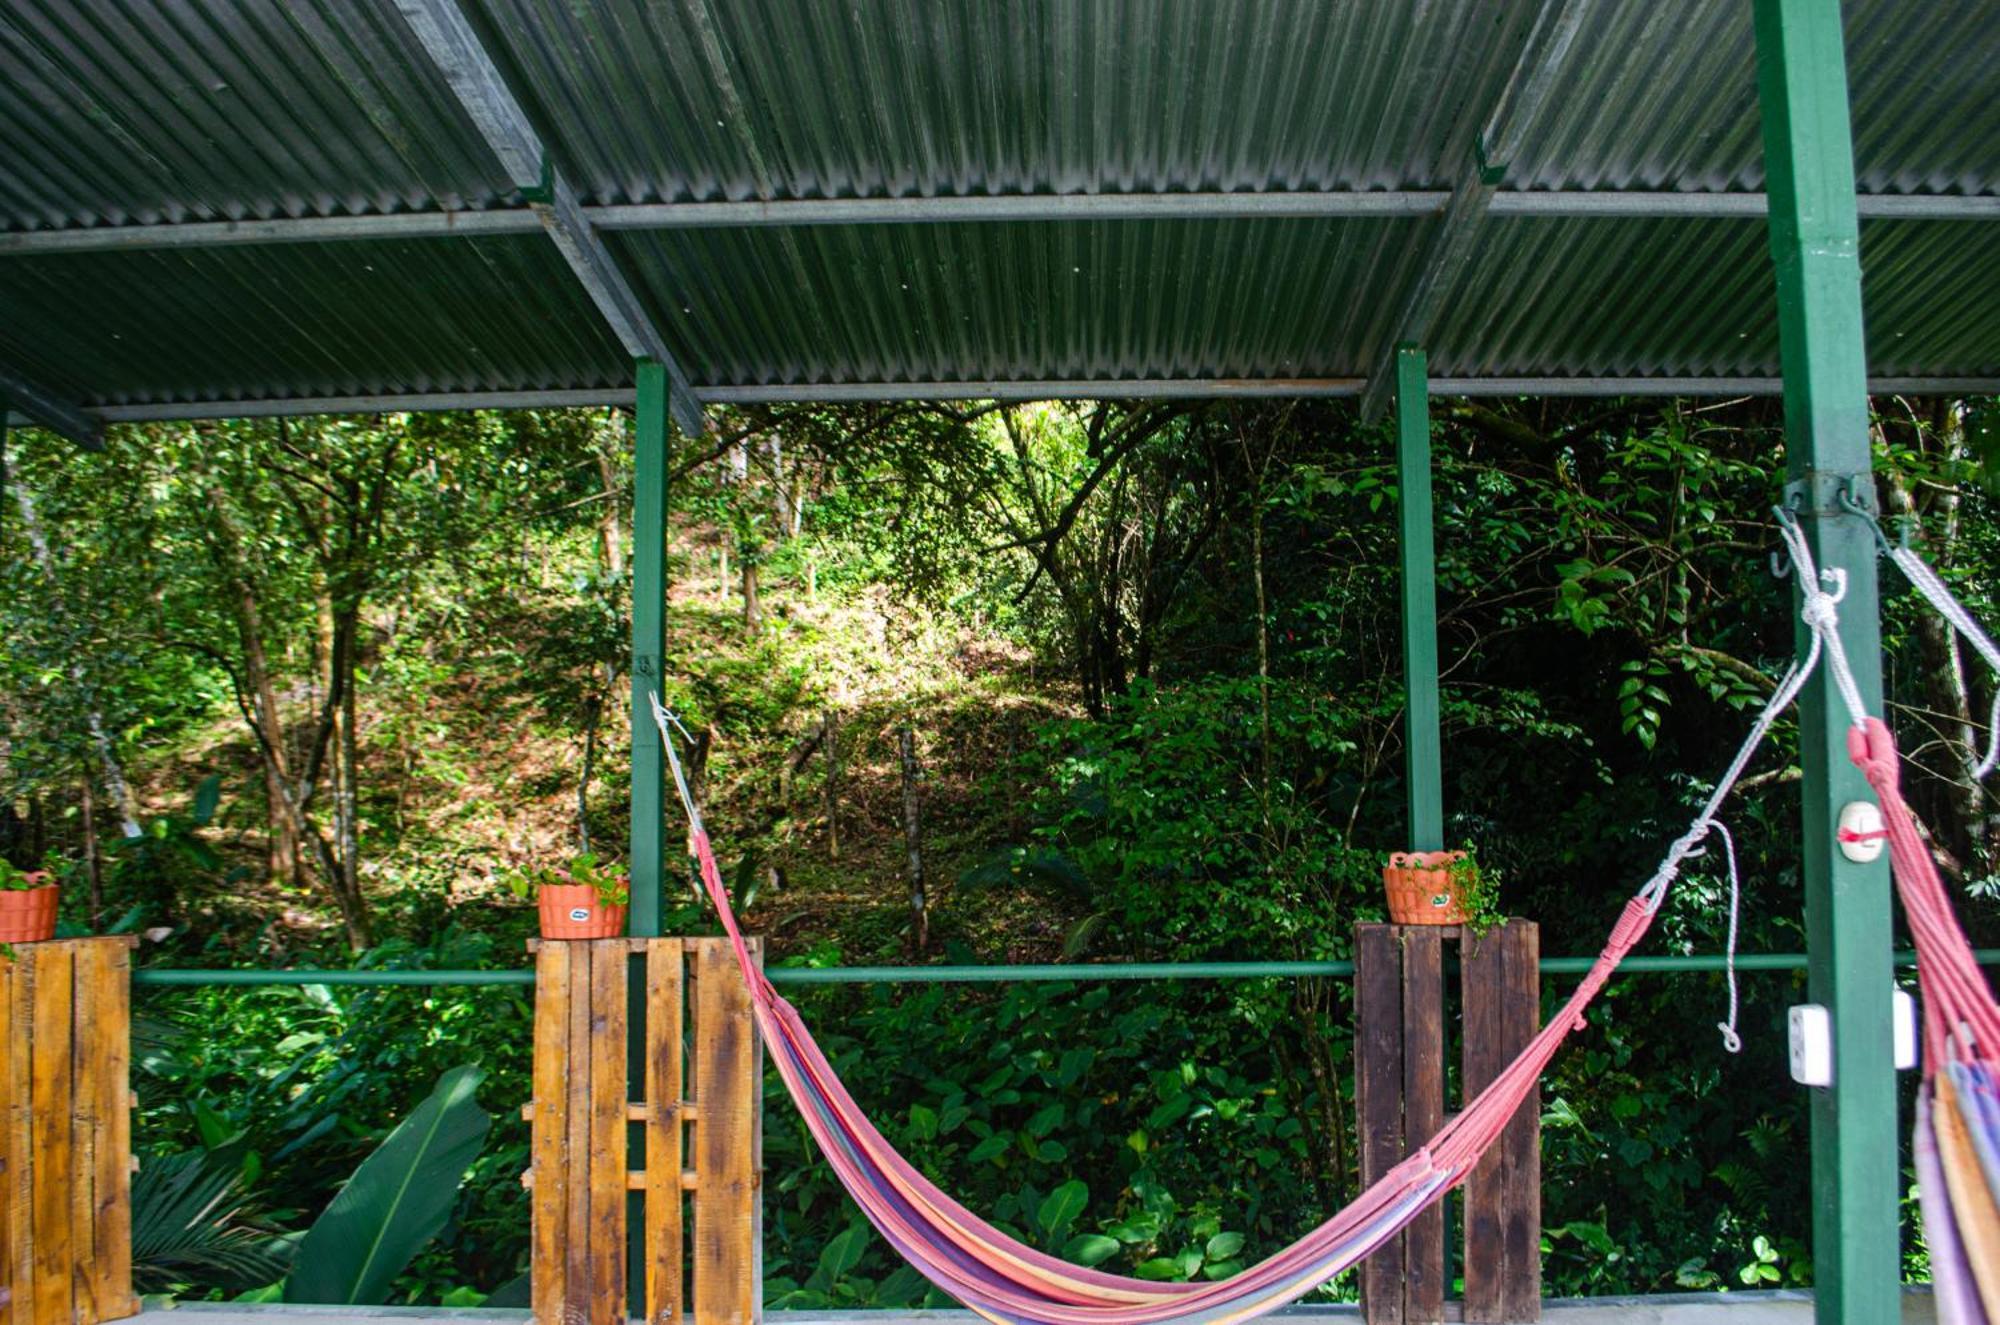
1776, 1308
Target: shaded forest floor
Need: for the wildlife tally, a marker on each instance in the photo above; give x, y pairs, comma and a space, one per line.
466, 779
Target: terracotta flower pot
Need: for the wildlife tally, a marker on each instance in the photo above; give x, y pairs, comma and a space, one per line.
1421, 889
572, 911
28, 916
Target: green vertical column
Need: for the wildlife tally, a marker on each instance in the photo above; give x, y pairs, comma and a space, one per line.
1424, 762
1815, 245
649, 645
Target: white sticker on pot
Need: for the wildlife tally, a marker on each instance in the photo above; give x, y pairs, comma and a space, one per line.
579, 914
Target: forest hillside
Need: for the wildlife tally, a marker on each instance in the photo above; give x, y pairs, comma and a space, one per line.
1085, 682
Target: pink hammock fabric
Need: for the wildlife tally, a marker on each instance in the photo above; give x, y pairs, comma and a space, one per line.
1961, 1041
1007, 1281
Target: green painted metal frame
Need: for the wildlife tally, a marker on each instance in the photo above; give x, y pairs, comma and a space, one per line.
1090, 973
1423, 741
649, 644
1815, 242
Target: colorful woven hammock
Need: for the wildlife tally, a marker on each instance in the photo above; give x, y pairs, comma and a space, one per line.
1958, 1139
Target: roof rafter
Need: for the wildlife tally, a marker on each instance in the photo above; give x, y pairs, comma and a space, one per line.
1514, 112
1628, 204
51, 410
1065, 389
468, 68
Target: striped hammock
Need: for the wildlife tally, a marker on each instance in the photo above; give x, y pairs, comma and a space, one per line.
1004, 1280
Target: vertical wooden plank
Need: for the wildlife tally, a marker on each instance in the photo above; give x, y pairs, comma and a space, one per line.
666, 1239
1378, 1087
86, 1078
605, 1235
20, 1130
114, 1182
1483, 993
1423, 1114
1521, 1143
727, 1222
50, 1085
549, 1134
10, 1160
577, 1286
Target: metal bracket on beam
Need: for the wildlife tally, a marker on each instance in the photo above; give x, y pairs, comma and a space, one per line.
52, 411
1512, 116
468, 69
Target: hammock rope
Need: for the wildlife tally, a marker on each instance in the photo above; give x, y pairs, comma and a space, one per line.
1007, 1281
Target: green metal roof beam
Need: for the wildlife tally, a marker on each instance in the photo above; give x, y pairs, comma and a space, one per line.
448, 38
50, 410
1513, 115
1324, 205
1289, 388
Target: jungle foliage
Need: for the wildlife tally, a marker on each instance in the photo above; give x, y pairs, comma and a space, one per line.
310, 692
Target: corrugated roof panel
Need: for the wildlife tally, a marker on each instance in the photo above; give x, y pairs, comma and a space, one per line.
1664, 96
296, 320
837, 98
1612, 297
1625, 297
1929, 297
143, 111
1112, 299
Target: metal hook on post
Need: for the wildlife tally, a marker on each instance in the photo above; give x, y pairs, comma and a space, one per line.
1851, 501
1781, 560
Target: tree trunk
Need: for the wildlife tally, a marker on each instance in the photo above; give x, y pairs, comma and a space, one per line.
92, 873
753, 610
610, 532
913, 839
346, 805
829, 727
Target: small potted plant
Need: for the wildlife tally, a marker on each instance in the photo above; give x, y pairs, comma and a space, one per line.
586, 899
27, 905
1442, 888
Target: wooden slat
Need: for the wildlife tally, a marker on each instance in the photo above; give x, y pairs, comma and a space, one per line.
1485, 1255
666, 1239
84, 1118
727, 1220
577, 1285
115, 1162
549, 1132
1378, 1038
1423, 1113
49, 975
1521, 1144
12, 1161
605, 1235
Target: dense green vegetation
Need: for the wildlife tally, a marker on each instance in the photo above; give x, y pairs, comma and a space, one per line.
307, 693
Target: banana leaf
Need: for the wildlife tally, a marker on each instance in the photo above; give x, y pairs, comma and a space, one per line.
396, 1201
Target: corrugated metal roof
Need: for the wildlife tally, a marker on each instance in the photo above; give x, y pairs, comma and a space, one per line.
1114, 299
410, 317
143, 111
158, 112
1664, 96
841, 98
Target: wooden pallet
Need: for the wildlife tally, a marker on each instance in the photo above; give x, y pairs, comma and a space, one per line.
66, 1132
698, 1127
1400, 1040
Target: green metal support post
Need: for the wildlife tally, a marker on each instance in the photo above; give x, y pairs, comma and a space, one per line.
649, 646
1423, 746
1815, 245
650, 452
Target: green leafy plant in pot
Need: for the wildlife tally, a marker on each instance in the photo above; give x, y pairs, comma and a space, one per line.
1442, 888
27, 905
586, 899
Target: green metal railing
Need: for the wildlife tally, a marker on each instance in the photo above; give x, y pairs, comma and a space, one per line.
976, 975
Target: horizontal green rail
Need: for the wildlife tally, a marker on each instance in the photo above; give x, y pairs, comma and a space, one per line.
1001, 974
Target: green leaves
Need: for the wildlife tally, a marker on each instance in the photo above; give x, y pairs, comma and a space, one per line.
1090, 1249
396, 1201
1060, 1208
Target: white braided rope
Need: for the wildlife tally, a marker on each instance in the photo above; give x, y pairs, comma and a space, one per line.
1928, 583
1731, 1041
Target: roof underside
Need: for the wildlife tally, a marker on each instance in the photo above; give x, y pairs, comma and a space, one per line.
230, 206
